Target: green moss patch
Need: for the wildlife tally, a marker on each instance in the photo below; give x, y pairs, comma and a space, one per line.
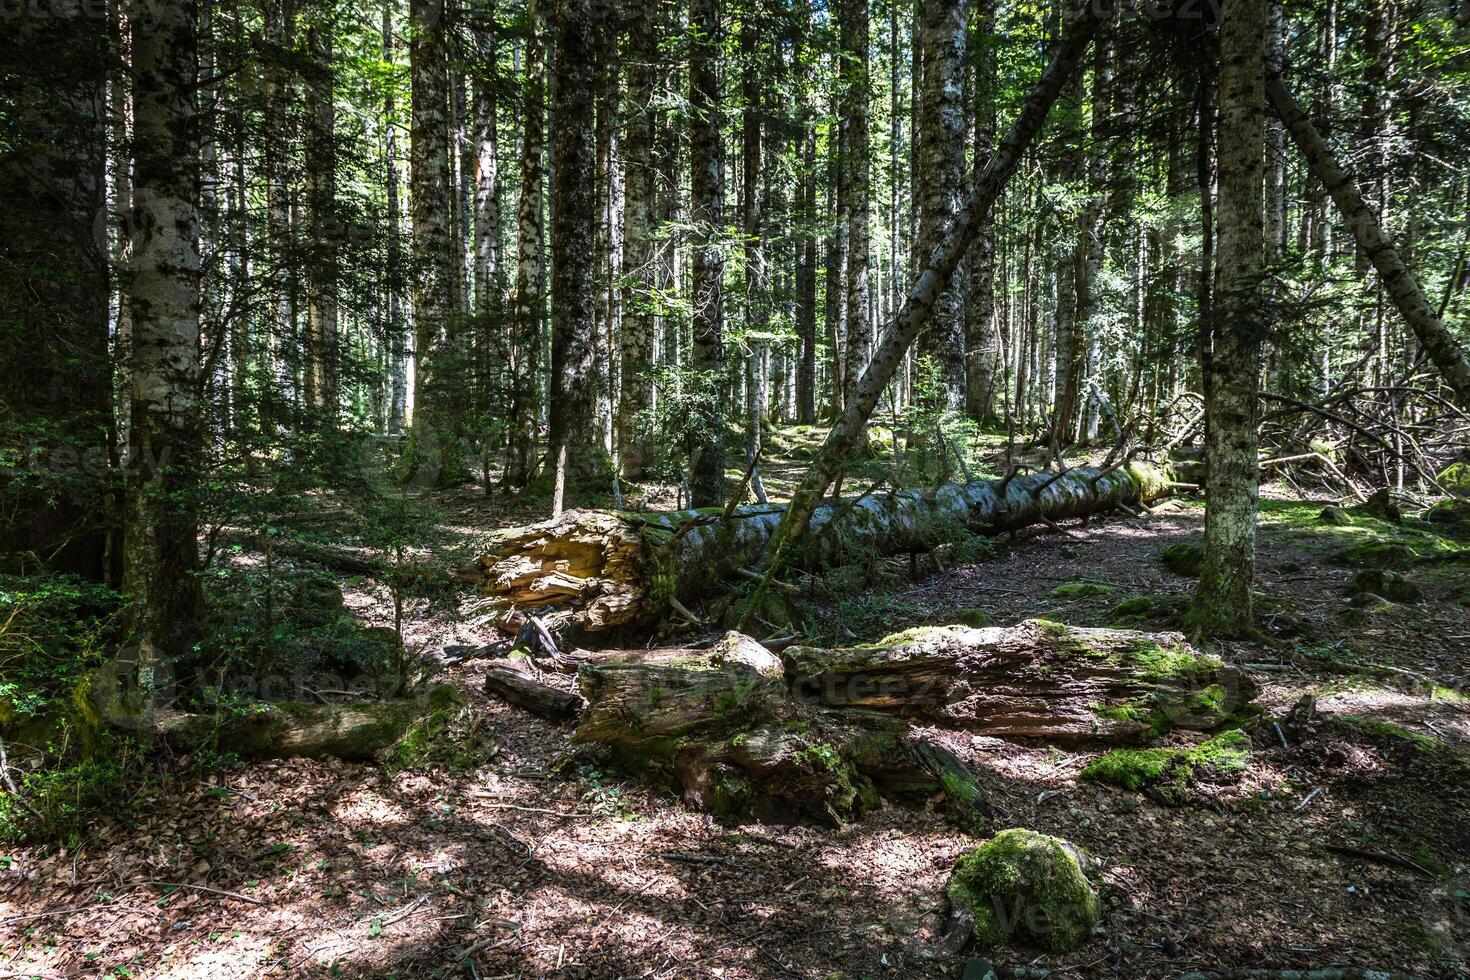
1388, 584
1021, 886
1080, 590
1183, 558
1375, 554
1168, 773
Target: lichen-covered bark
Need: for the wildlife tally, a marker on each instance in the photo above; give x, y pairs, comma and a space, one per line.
161, 548
1233, 362
941, 176
854, 191
603, 570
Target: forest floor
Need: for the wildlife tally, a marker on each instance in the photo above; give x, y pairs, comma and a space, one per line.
1348, 846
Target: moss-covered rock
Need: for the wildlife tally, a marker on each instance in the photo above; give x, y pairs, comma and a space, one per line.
1375, 554
1183, 558
973, 616
1079, 590
1388, 584
1334, 516
1167, 774
1021, 886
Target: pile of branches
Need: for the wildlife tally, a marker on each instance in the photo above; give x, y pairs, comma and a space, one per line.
1351, 442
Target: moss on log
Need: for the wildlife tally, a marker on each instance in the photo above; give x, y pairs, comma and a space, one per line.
1037, 679
723, 726
602, 570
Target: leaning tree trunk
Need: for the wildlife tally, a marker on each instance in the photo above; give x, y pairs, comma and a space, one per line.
922, 296
600, 570
1398, 281
821, 732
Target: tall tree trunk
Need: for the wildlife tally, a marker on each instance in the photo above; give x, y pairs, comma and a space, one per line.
639, 282
54, 308
1089, 249
941, 178
530, 304
806, 246
161, 548
1223, 601
981, 336
278, 16
576, 437
489, 276
435, 449
1068, 326
753, 250
321, 268
397, 340
707, 192
1416, 309
923, 295
855, 190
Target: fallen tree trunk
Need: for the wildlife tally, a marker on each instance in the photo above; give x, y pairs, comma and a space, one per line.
822, 732
1037, 679
600, 570
268, 730
723, 725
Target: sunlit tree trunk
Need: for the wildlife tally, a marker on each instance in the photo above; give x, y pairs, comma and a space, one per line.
855, 190
1223, 601
161, 549
489, 276
637, 353
941, 169
397, 340
981, 334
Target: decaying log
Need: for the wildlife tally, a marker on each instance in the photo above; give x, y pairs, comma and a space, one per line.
521, 689
820, 732
271, 730
603, 570
1037, 679
723, 725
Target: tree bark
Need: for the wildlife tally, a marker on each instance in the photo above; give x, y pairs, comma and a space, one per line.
640, 283
321, 375
434, 449
1398, 281
530, 305
397, 339
981, 328
574, 428
600, 570
517, 686
161, 549
706, 205
1233, 366
941, 178
855, 190
489, 273
919, 303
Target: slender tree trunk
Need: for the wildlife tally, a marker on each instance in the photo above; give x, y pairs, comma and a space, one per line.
530, 304
981, 334
855, 191
397, 340
435, 449
275, 99
941, 178
575, 434
707, 192
1416, 309
161, 550
1223, 601
806, 244
489, 276
756, 300
923, 295
321, 375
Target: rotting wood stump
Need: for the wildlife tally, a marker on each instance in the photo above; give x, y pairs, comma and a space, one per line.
599, 570
822, 733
